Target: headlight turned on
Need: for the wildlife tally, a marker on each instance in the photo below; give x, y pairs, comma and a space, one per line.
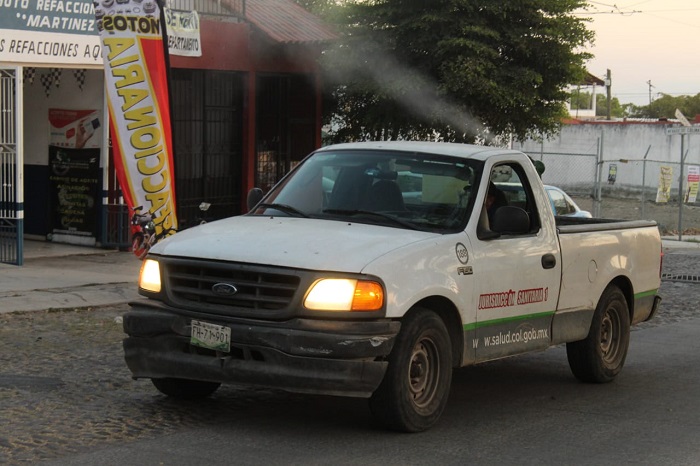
149, 278
338, 294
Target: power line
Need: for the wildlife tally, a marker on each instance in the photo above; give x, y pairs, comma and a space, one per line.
625, 11
614, 10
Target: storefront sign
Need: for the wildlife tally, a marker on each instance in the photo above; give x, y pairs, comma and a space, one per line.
66, 31
49, 31
137, 90
183, 33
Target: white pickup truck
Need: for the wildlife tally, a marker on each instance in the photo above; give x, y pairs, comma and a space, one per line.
375, 269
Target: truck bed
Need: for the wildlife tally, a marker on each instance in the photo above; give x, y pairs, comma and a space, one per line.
579, 225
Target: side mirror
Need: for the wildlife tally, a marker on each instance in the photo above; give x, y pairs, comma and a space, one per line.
255, 195
511, 220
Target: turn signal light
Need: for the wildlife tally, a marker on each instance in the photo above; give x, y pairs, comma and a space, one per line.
340, 294
369, 296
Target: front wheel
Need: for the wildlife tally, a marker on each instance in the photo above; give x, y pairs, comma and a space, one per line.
137, 245
185, 389
600, 356
414, 391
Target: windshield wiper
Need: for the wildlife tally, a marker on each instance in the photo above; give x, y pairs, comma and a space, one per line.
369, 213
287, 209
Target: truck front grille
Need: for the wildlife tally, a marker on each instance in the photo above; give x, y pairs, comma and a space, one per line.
219, 287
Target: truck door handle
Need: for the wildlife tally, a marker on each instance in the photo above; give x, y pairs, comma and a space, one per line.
549, 261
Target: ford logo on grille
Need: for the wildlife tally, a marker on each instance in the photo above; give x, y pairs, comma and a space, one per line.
224, 289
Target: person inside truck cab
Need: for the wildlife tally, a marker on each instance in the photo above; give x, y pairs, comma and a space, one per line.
495, 198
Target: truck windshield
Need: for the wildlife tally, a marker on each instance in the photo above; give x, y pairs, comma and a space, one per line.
397, 189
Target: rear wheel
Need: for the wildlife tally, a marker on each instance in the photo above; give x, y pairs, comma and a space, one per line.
600, 356
185, 389
416, 386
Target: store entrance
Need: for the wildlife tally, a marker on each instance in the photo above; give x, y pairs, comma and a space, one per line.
11, 202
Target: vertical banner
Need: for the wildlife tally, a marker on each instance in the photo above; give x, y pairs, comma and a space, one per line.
612, 173
663, 193
693, 184
136, 79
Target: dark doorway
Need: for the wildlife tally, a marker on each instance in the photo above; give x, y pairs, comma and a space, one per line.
207, 134
285, 125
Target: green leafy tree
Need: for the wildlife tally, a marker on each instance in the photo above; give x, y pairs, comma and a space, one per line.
666, 105
617, 110
325, 9
453, 69
581, 100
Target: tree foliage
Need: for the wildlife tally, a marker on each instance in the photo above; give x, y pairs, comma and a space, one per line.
666, 105
453, 68
617, 110
583, 100
325, 9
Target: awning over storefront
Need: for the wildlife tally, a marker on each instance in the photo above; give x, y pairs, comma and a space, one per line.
286, 22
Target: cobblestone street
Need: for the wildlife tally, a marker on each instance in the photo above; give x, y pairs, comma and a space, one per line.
64, 387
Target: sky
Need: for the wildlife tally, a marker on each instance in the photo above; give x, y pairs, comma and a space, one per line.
648, 46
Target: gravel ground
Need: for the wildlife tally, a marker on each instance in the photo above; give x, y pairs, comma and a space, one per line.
64, 388
679, 295
666, 215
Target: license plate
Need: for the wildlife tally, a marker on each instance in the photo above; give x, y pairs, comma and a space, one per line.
211, 336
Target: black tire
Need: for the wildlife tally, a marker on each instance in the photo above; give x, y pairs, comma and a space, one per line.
184, 389
600, 356
415, 388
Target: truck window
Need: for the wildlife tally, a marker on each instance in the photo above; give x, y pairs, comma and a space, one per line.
560, 203
398, 189
509, 186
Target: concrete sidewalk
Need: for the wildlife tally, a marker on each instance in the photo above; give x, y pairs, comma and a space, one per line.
56, 276
686, 242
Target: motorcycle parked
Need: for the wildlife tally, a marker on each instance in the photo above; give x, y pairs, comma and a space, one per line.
143, 232
143, 229
203, 207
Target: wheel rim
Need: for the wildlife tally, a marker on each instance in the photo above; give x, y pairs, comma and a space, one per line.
610, 336
424, 372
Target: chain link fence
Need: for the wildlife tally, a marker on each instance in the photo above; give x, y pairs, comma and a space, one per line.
638, 185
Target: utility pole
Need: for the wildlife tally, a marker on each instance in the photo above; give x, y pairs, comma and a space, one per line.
608, 86
650, 87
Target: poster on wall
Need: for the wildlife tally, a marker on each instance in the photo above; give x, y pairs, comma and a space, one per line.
74, 194
76, 129
74, 169
663, 193
693, 184
183, 33
136, 81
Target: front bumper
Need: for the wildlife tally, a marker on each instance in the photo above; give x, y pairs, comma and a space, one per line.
299, 355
